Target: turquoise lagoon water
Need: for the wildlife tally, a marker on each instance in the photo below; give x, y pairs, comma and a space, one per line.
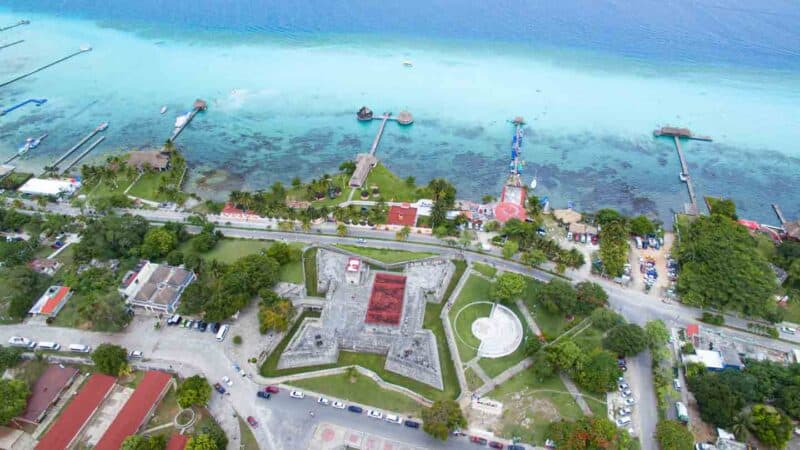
282, 101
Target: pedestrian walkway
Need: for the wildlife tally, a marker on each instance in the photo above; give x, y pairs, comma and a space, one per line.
473, 364
576, 394
505, 376
528, 318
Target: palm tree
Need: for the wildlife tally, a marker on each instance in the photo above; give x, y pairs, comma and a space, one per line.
741, 422
341, 230
305, 222
403, 233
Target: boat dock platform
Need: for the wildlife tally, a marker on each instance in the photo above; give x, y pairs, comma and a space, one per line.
20, 23
180, 125
85, 152
366, 161
11, 44
35, 101
779, 213
54, 166
690, 208
35, 71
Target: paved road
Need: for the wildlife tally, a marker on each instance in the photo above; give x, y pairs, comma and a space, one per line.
640, 374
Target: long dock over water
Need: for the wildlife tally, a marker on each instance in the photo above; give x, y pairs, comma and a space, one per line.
199, 105
54, 166
85, 152
11, 44
33, 72
18, 24
676, 134
366, 161
378, 136
779, 213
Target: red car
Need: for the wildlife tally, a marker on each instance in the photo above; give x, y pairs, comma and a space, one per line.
272, 389
252, 421
494, 444
478, 440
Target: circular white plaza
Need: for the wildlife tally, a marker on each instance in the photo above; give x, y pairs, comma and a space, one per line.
500, 334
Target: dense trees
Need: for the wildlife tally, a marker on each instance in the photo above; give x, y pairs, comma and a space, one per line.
719, 402
721, 268
202, 441
600, 372
614, 247
558, 296
588, 434
628, 340
673, 435
605, 319
9, 357
111, 237
16, 253
23, 286
194, 391
508, 287
657, 334
110, 359
770, 426
15, 397
140, 442
642, 226
526, 236
722, 206
441, 418
275, 315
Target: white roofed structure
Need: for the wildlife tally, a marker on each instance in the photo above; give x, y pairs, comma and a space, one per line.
50, 187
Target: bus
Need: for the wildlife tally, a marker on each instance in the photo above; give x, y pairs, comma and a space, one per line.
222, 332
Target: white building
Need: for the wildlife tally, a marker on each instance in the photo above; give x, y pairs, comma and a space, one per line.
156, 287
50, 187
353, 271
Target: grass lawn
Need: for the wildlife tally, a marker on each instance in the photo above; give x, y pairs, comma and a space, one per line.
229, 250
495, 366
475, 289
793, 311
360, 389
551, 324
166, 410
107, 187
248, 439
147, 187
384, 254
484, 269
473, 380
530, 405
310, 266
67, 256
392, 187
462, 327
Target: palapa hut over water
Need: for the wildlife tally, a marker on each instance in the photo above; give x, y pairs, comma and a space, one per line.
405, 118
364, 113
149, 159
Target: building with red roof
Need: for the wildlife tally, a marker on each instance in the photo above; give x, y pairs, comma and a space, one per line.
230, 211
77, 414
512, 204
177, 442
402, 215
46, 391
386, 300
51, 302
137, 410
692, 330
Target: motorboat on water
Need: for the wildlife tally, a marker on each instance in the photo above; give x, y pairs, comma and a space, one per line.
163, 109
683, 177
102, 127
533, 183
30, 144
408, 63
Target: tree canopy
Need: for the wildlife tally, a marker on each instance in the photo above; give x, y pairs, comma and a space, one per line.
194, 391
673, 435
589, 434
770, 426
628, 340
657, 334
202, 441
442, 418
614, 247
558, 296
141, 442
15, 398
110, 359
606, 319
642, 226
722, 268
508, 287
158, 242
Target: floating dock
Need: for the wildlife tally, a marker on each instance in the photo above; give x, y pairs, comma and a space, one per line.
18, 24
26, 75
12, 44
54, 166
35, 101
85, 152
180, 125
676, 134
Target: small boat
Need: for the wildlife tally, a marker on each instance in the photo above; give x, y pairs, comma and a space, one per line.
163, 109
533, 183
408, 63
181, 120
102, 127
683, 177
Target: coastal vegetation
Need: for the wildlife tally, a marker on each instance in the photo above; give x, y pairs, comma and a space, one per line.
532, 245
598, 432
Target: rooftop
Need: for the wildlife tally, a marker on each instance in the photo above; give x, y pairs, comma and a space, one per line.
49, 186
136, 409
353, 265
45, 390
386, 301
402, 215
77, 413
51, 301
153, 159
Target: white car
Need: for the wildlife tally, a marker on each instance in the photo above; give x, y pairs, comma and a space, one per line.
626, 411
19, 341
136, 354
297, 394
391, 418
338, 405
630, 401
788, 330
375, 414
623, 386
227, 381
323, 401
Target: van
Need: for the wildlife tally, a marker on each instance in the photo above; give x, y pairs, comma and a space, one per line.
677, 384
223, 330
48, 346
79, 348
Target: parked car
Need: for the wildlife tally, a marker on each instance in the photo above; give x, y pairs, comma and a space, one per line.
323, 401
495, 444
515, 447
623, 386
355, 409
623, 421
252, 421
238, 369
626, 393
19, 341
219, 388
630, 401
375, 414
136, 354
788, 330
203, 326
624, 411
338, 405
411, 424
272, 389
264, 395
215, 327
676, 383
297, 394
227, 380
391, 418
478, 440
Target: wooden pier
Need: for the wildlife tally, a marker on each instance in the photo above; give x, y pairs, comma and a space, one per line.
366, 161
378, 136
779, 213
20, 23
54, 166
85, 152
676, 134
11, 44
199, 105
26, 75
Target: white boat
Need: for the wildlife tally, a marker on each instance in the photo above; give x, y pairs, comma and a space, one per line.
30, 144
533, 183
682, 177
408, 63
181, 120
102, 127
163, 109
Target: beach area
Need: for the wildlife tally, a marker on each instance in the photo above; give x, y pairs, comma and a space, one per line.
282, 102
